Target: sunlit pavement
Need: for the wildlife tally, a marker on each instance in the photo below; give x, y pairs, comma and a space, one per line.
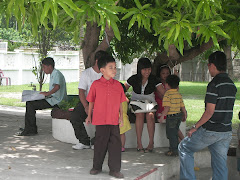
43, 157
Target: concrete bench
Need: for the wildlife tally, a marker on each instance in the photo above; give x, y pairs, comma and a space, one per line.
62, 130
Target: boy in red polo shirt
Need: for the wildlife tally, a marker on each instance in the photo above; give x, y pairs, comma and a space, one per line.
105, 111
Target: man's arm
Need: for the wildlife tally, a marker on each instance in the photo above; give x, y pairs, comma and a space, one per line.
210, 108
83, 100
55, 89
89, 117
121, 115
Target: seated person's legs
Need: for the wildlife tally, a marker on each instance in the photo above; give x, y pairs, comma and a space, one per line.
151, 129
78, 116
30, 116
139, 128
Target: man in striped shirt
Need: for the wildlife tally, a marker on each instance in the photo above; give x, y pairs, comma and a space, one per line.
213, 130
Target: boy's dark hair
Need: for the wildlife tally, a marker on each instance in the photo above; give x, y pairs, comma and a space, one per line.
173, 81
48, 61
99, 54
219, 59
161, 67
142, 64
104, 60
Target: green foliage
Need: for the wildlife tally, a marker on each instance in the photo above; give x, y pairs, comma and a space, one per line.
176, 21
70, 103
183, 23
15, 38
65, 13
103, 12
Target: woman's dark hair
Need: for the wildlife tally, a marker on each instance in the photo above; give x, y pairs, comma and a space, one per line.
219, 59
142, 64
48, 61
161, 67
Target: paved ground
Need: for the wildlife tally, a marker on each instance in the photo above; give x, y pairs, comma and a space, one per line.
43, 157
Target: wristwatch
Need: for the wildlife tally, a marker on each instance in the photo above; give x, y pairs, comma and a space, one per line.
194, 126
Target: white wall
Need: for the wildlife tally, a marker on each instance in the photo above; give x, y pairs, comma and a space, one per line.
19, 65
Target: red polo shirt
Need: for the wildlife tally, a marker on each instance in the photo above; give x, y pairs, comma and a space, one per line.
107, 96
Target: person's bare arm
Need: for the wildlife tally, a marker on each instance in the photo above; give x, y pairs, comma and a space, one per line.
210, 108
164, 113
183, 109
160, 91
89, 117
126, 86
83, 100
121, 115
55, 89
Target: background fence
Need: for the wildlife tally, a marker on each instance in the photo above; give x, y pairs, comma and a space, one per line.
18, 66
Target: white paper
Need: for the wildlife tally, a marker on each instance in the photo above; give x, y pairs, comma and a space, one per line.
30, 95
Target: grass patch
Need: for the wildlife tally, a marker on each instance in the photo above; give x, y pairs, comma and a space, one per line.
72, 88
12, 102
193, 95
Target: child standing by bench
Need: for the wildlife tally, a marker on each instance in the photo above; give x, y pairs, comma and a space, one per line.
126, 124
105, 101
173, 105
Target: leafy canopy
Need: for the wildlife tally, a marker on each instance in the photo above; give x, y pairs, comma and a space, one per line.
183, 23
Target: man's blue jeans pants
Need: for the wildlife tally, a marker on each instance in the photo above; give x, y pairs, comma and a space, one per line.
217, 143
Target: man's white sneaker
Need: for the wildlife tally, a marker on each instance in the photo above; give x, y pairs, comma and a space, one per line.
92, 147
80, 146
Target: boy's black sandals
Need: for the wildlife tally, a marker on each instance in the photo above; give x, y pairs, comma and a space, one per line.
171, 153
148, 150
141, 150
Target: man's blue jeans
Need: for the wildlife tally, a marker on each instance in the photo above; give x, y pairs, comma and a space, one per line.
217, 143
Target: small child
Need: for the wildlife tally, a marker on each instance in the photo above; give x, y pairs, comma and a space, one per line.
163, 71
105, 111
126, 124
173, 109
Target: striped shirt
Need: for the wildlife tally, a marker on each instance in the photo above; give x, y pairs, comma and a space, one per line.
220, 91
173, 99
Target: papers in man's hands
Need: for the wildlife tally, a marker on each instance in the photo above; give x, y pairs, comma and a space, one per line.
30, 95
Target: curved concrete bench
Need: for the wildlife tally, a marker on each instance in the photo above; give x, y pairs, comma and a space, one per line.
62, 130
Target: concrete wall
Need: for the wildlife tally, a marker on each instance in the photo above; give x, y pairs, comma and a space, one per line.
19, 65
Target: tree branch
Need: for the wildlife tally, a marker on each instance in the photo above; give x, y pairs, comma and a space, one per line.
195, 51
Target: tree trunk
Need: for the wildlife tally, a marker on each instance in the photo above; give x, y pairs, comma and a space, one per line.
91, 44
203, 71
81, 60
228, 52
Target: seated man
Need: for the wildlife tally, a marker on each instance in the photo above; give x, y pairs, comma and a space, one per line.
57, 92
80, 112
